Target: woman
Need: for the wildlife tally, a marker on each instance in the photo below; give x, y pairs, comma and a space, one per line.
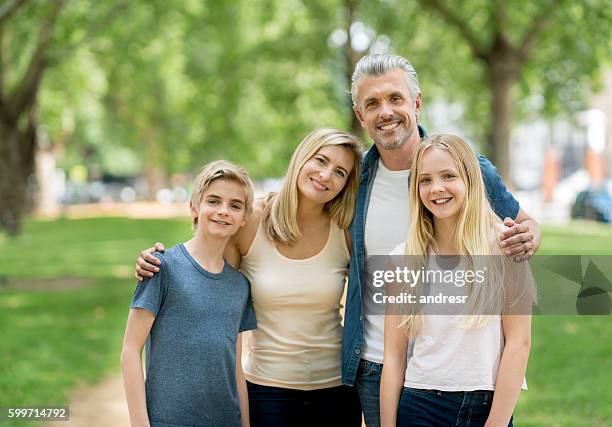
467, 365
295, 250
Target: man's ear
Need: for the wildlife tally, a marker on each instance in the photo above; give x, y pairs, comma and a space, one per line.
417, 105
357, 112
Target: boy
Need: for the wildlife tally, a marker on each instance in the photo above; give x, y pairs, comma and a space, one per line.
190, 316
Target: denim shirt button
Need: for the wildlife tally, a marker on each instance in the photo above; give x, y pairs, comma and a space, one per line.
357, 351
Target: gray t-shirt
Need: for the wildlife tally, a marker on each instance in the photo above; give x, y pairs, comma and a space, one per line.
191, 350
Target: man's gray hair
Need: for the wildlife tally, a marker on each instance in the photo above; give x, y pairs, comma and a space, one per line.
375, 65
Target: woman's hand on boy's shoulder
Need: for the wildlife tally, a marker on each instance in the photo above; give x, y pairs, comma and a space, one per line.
259, 205
146, 264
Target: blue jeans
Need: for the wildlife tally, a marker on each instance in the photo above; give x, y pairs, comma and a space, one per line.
433, 408
367, 383
286, 407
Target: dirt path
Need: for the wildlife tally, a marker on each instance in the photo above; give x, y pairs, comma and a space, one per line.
102, 405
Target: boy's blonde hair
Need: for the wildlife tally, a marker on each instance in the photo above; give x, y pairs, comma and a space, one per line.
220, 169
280, 215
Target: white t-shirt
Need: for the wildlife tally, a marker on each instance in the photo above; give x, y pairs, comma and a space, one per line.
446, 355
386, 227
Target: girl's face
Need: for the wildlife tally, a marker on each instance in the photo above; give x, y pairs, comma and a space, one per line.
325, 174
441, 188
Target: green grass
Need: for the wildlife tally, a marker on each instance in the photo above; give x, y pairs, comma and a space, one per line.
53, 339
569, 373
99, 247
579, 238
69, 334
56, 336
570, 366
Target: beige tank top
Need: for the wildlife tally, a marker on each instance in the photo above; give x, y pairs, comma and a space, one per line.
298, 340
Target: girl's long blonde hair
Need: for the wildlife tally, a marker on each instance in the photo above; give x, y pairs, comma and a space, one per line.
280, 214
475, 233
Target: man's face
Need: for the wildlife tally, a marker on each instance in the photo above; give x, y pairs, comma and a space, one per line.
387, 110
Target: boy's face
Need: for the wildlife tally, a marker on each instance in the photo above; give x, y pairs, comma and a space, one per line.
222, 210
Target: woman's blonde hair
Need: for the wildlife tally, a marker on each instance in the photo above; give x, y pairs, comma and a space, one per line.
475, 233
280, 214
220, 169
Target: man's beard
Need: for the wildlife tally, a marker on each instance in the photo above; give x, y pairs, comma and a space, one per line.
399, 138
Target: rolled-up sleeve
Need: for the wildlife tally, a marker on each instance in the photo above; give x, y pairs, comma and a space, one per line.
502, 201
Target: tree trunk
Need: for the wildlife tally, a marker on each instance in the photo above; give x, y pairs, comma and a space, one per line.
154, 179
351, 58
17, 148
154, 175
45, 201
501, 80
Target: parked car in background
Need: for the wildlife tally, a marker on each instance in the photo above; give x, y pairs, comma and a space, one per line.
593, 203
107, 189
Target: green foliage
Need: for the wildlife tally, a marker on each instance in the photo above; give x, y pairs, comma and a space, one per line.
570, 57
168, 85
245, 81
559, 75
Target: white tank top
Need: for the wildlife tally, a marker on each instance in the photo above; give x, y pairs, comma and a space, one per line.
298, 340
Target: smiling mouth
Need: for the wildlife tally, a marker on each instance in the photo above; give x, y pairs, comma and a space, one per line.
317, 185
218, 221
441, 201
389, 125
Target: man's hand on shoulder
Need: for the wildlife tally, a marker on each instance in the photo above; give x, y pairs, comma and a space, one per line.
146, 264
520, 238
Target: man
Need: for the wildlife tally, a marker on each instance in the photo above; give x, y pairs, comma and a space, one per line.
387, 102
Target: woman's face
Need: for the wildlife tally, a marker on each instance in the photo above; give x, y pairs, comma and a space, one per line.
441, 188
326, 173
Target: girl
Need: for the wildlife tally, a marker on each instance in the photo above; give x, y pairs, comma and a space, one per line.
467, 368
294, 249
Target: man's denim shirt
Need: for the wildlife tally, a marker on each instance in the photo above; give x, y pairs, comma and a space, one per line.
502, 202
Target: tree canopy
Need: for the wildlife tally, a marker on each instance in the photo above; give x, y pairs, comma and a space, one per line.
160, 87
